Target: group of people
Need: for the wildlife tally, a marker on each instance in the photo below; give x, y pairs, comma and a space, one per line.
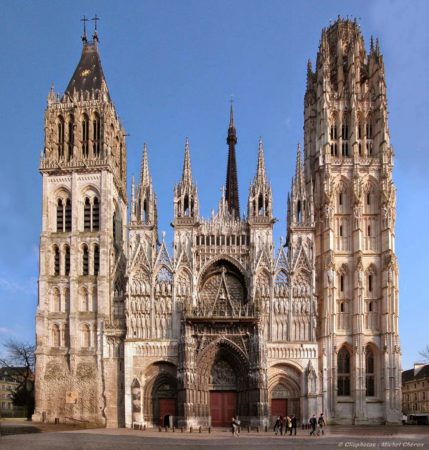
285, 425
317, 423
288, 424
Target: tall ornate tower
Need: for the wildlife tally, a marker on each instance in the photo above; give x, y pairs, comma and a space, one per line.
349, 158
80, 314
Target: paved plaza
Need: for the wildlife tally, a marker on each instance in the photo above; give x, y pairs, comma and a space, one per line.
117, 439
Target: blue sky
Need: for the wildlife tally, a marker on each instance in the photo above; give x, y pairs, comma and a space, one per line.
171, 67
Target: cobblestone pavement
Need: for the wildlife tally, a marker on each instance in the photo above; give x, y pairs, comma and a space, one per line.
116, 439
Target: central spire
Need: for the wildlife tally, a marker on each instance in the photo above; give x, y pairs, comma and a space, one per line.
231, 192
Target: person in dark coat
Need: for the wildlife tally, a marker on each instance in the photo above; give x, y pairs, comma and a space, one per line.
313, 424
277, 426
294, 423
321, 423
281, 425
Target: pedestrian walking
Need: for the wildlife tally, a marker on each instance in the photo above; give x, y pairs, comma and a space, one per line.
313, 424
288, 425
294, 422
235, 423
277, 426
281, 425
321, 423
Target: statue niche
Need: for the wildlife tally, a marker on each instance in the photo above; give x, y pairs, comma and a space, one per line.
222, 292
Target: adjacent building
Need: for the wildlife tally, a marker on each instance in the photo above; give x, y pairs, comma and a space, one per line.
10, 380
131, 332
415, 393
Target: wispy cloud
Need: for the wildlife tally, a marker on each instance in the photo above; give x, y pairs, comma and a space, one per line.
5, 330
27, 286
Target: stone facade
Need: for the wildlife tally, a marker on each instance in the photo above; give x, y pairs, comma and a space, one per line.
224, 324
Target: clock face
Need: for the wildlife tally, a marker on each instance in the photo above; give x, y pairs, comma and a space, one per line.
85, 73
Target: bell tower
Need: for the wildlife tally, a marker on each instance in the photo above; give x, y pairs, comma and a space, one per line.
80, 313
350, 159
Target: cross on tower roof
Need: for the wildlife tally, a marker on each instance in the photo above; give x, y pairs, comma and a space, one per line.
84, 20
95, 19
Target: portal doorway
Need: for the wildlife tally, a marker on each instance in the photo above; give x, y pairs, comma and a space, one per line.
279, 407
223, 407
167, 409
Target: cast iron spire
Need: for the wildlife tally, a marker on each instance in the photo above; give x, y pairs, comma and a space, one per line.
231, 192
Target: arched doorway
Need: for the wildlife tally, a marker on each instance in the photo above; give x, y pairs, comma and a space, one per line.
223, 375
223, 393
284, 391
160, 394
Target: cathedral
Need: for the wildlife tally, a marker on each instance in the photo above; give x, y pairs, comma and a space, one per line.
133, 333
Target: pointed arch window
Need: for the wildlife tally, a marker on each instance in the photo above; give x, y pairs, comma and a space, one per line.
298, 212
343, 379
60, 137
56, 260
345, 138
60, 216
68, 216
96, 135
95, 214
370, 372
67, 260
85, 260
87, 215
370, 283
85, 136
70, 136
96, 259
261, 211
342, 283
145, 212
186, 209
369, 128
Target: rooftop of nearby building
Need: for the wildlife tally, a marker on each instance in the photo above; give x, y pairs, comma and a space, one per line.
10, 374
419, 372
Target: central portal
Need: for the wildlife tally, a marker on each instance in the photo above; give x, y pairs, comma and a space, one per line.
223, 406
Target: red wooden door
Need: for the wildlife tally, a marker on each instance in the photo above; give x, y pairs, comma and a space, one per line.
223, 406
279, 407
167, 406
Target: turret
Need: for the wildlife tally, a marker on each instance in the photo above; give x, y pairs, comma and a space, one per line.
260, 196
300, 201
143, 203
185, 193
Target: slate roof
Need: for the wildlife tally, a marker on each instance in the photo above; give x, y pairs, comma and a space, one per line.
408, 375
89, 73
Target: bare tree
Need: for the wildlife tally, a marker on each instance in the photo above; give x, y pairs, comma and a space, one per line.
425, 354
19, 359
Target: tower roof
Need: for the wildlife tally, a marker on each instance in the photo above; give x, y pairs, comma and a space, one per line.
187, 171
88, 74
231, 194
260, 169
144, 175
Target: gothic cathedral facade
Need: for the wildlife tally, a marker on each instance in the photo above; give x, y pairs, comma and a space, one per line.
132, 333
